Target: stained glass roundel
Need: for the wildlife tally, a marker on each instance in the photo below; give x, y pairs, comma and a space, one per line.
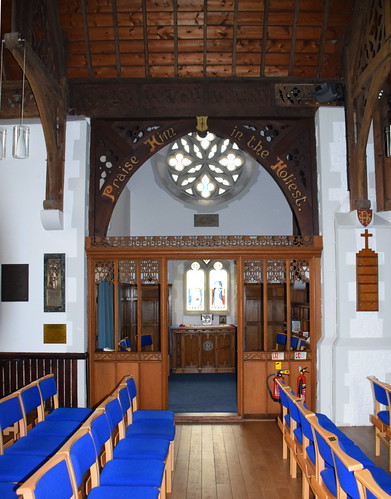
204, 170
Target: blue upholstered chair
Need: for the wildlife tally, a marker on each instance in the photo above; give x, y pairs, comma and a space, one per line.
146, 340
283, 421
381, 415
293, 434
323, 439
11, 413
281, 339
125, 344
11, 420
348, 471
134, 492
307, 458
318, 430
82, 450
155, 429
296, 342
48, 389
17, 468
53, 479
373, 483
8, 490
33, 410
142, 414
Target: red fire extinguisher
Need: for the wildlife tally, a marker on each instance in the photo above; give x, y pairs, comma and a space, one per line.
302, 384
275, 394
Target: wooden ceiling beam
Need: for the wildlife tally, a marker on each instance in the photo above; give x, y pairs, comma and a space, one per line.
51, 102
116, 40
294, 37
264, 37
322, 42
87, 37
367, 70
145, 36
186, 97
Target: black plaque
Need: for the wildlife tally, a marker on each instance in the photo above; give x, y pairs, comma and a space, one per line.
15, 282
207, 220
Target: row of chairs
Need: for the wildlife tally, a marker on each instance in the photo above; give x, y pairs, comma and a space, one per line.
381, 415
119, 451
32, 428
331, 464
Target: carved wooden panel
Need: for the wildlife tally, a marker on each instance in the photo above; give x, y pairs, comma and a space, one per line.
285, 148
204, 349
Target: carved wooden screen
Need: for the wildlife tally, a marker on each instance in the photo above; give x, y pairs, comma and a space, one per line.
285, 148
127, 311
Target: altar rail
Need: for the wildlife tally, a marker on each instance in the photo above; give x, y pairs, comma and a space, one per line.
19, 369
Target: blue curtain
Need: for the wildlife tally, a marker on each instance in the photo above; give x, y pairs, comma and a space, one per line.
105, 315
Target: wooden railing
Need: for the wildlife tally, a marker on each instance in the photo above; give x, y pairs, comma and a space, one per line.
19, 369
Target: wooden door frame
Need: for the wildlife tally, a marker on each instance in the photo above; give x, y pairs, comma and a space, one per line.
237, 248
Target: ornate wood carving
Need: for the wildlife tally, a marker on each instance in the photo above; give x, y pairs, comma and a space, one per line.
203, 349
367, 70
162, 98
285, 148
126, 356
184, 242
45, 72
249, 356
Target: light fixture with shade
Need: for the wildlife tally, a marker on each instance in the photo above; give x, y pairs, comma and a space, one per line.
387, 131
387, 138
3, 131
21, 135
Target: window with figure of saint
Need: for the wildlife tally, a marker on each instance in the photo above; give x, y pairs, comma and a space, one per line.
206, 287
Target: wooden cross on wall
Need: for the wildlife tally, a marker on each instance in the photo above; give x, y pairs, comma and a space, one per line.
367, 277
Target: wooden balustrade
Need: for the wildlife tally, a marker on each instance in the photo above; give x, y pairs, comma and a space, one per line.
19, 369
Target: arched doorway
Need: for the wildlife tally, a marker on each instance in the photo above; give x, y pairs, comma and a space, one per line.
255, 359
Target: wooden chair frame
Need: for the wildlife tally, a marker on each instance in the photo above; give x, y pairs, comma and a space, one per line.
382, 430
317, 484
306, 465
365, 481
18, 428
281, 422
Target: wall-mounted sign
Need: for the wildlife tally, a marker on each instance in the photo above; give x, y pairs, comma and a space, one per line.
54, 333
54, 283
15, 282
367, 278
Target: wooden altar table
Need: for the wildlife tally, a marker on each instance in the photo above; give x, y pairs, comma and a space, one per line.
203, 349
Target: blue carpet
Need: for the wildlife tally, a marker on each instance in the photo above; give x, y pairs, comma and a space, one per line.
203, 392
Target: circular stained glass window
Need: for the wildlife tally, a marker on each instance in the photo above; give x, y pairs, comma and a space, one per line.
204, 170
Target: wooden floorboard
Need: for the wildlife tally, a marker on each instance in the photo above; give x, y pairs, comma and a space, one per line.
243, 461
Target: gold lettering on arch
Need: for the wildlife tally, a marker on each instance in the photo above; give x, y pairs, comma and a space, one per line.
160, 138
289, 181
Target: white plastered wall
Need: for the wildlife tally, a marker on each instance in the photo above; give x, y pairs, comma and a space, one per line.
25, 241
354, 344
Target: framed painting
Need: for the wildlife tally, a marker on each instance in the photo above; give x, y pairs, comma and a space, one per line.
54, 282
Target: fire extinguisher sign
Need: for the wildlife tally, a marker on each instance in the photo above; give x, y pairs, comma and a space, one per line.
300, 355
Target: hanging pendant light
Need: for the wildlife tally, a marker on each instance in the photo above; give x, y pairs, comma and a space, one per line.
20, 149
387, 139
3, 131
